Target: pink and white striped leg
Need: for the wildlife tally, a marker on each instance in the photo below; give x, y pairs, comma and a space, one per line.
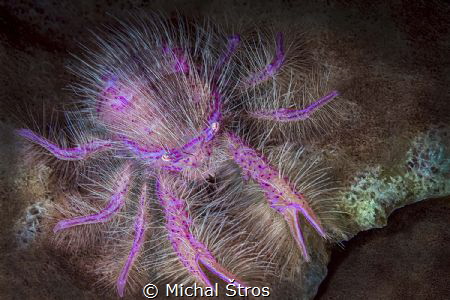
139, 237
279, 193
76, 153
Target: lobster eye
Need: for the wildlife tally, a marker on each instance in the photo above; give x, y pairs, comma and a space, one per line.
215, 126
165, 157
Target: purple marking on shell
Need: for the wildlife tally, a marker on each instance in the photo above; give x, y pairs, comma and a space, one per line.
114, 205
131, 106
280, 195
189, 250
312, 219
180, 65
290, 115
274, 66
139, 235
114, 95
75, 153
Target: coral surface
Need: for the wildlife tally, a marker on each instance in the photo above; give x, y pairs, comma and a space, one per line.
424, 174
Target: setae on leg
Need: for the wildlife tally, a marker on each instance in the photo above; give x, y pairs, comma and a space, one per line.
291, 115
279, 193
274, 66
139, 235
75, 153
115, 204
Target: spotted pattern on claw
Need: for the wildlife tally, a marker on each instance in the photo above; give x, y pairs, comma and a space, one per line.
191, 252
280, 194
